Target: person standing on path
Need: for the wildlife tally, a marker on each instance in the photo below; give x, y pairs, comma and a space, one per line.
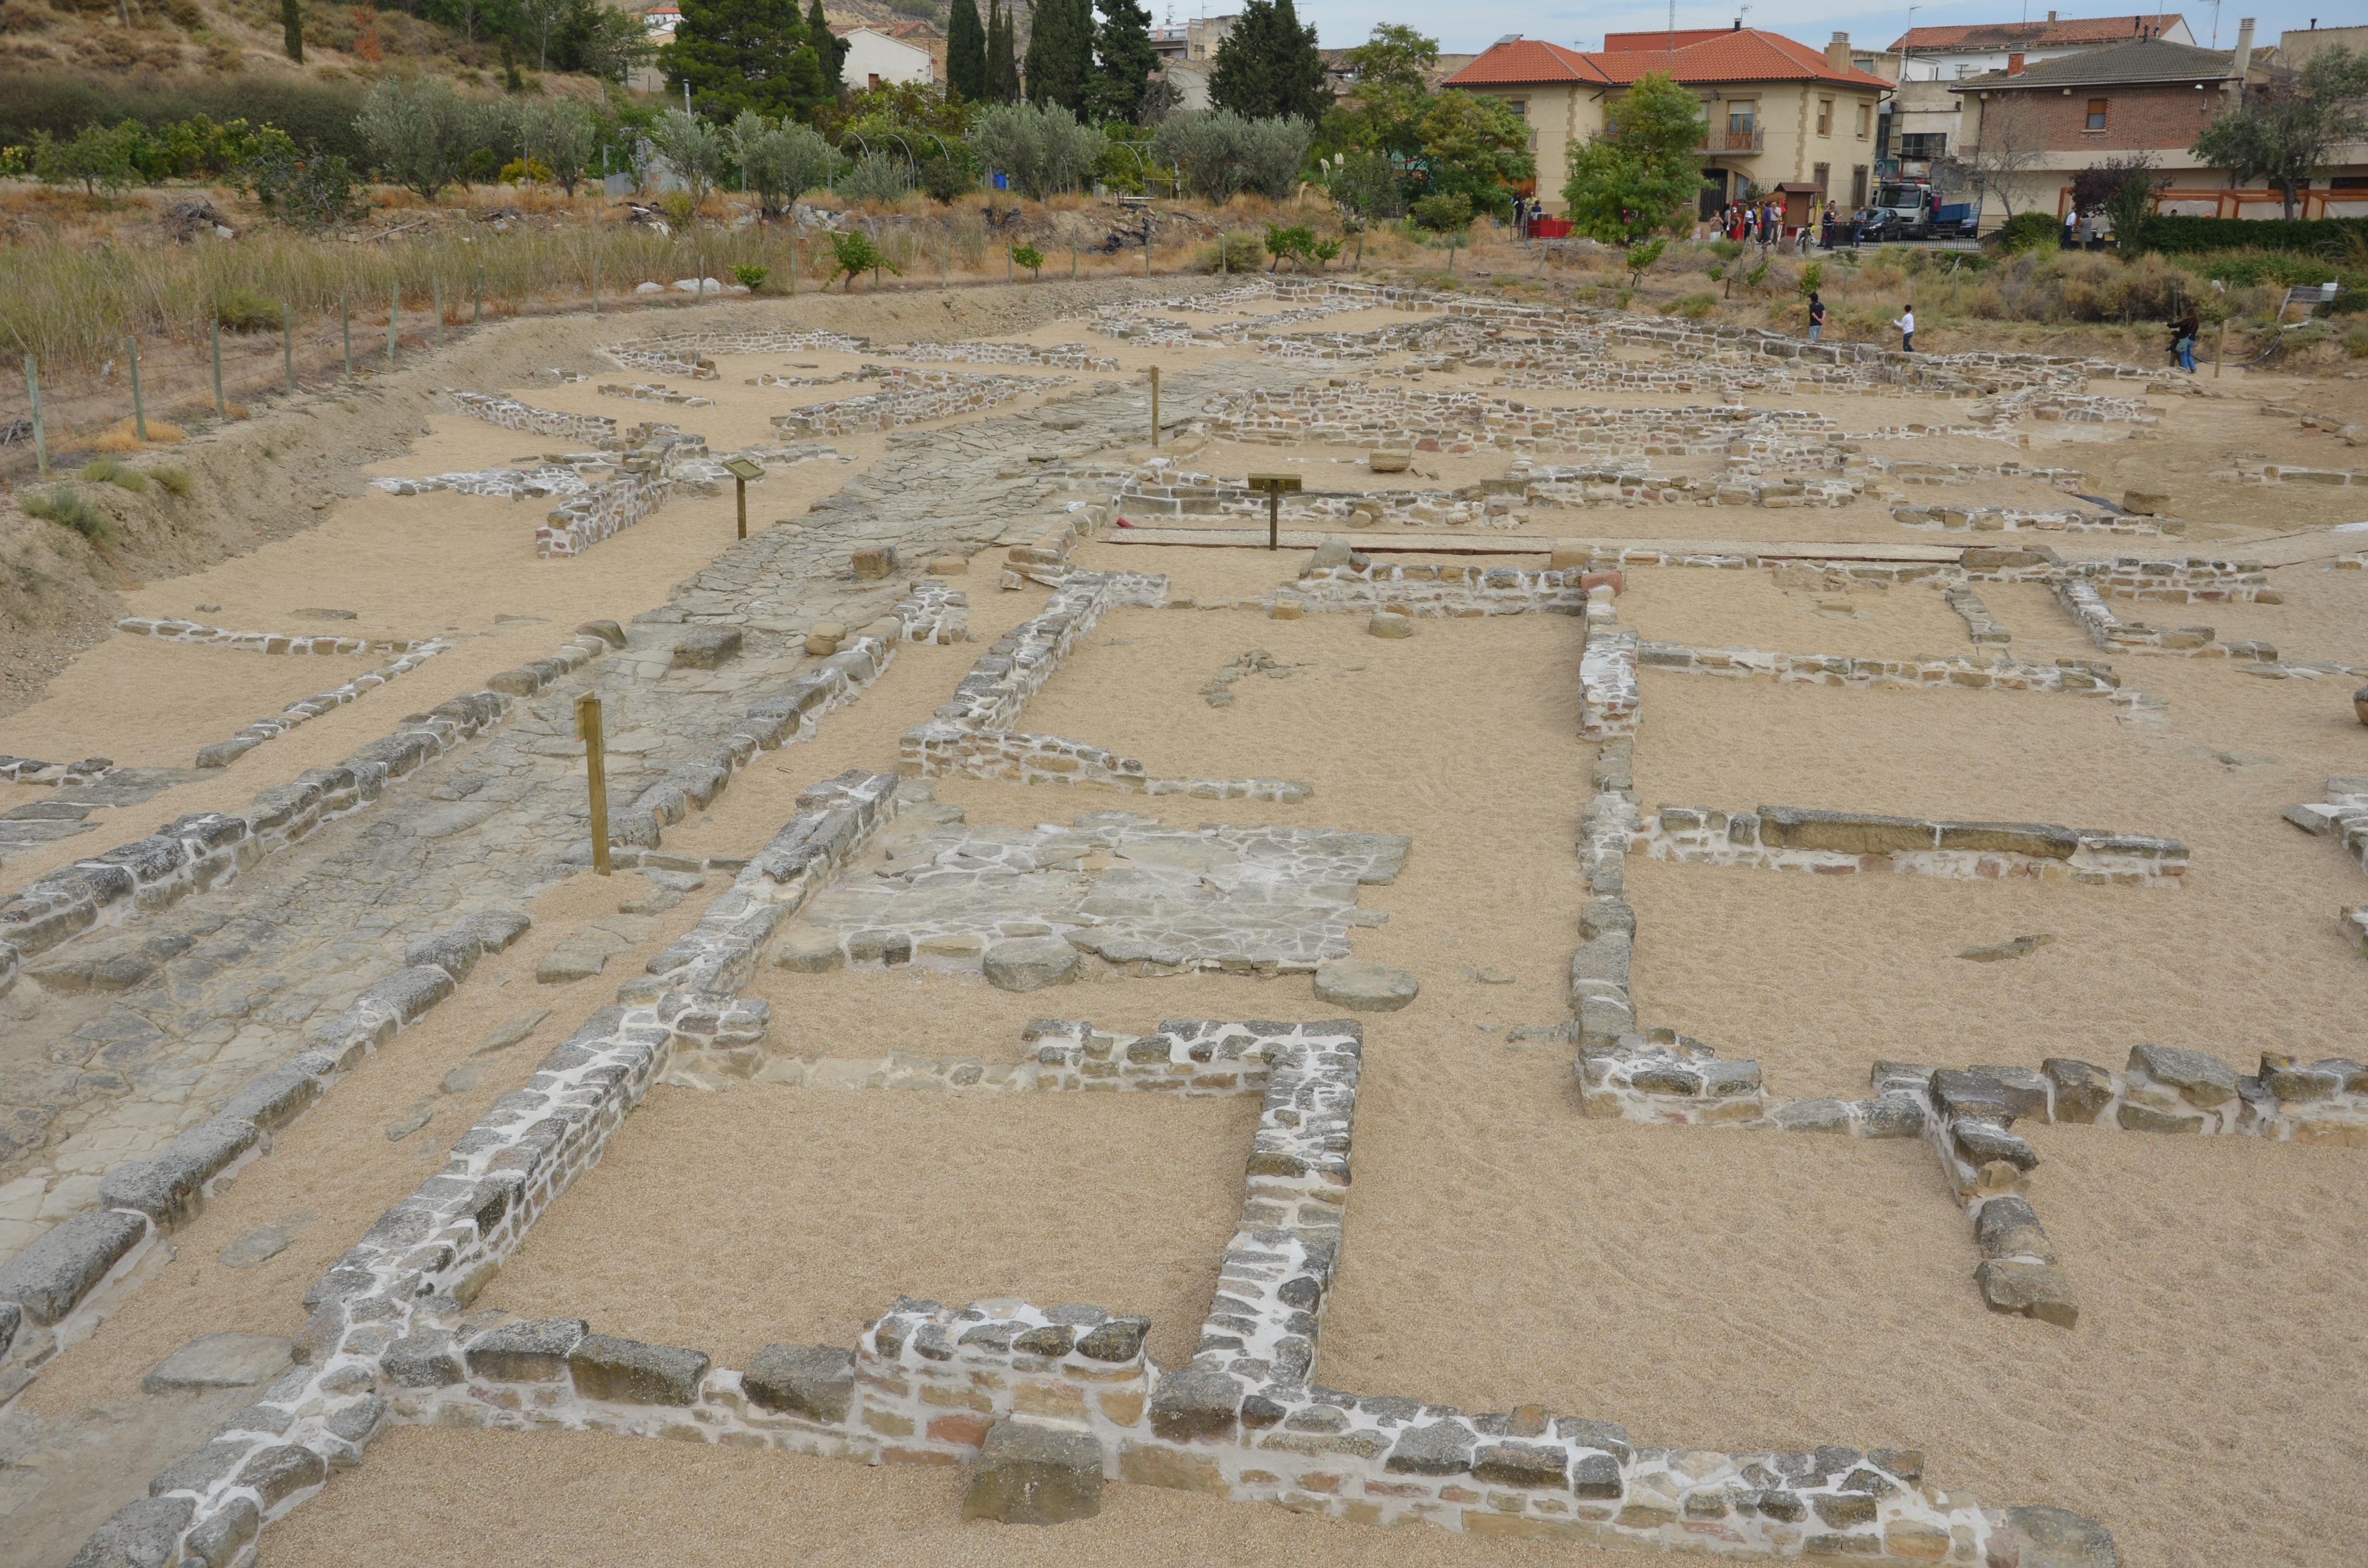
1817, 315
1906, 325
2183, 333
2072, 230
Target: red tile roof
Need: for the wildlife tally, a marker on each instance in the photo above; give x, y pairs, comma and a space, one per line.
2036, 35
1745, 54
1527, 60
1659, 38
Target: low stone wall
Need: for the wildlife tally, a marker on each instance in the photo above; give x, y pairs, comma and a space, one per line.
196, 636
1841, 669
2290, 473
654, 466
1607, 674
30, 770
511, 414
908, 397
1969, 606
1795, 839
1058, 356
1917, 471
2008, 519
1464, 421
221, 754
2080, 599
685, 353
2193, 579
1421, 589
640, 392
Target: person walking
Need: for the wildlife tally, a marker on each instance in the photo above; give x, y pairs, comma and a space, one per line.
1906, 322
2183, 333
2072, 230
1831, 218
1816, 316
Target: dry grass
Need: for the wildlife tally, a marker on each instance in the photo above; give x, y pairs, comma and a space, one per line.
125, 437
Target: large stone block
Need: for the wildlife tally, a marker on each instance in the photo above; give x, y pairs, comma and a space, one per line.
220, 1361
1029, 963
1364, 985
1845, 833
2202, 1079
48, 1277
1031, 1475
138, 1535
816, 1381
631, 1372
2082, 1091
2032, 1290
530, 1352
2052, 1538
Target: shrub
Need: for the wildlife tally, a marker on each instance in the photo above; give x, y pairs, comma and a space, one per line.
1039, 148
525, 171
1028, 257
750, 278
782, 159
420, 134
876, 176
243, 309
852, 252
1222, 152
1693, 307
1366, 184
2314, 236
107, 471
1443, 213
1639, 259
944, 181
308, 193
64, 505
1238, 251
173, 478
97, 158
1813, 277
2027, 231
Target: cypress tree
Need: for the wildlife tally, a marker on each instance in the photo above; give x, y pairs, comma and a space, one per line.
1127, 60
1268, 65
1002, 57
291, 30
741, 54
966, 52
1060, 52
830, 50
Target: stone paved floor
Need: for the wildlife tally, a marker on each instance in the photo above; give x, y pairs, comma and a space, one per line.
227, 984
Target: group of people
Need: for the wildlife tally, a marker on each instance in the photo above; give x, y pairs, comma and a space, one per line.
1758, 223
1527, 210
2085, 231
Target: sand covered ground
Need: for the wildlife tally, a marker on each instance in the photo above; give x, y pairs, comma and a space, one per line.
1709, 1287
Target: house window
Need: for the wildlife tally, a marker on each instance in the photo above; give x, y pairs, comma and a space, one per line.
1741, 115
1857, 185
2096, 114
1825, 174
1864, 115
1825, 117
1924, 145
2348, 182
1519, 105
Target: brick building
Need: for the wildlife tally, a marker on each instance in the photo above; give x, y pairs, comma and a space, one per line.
2147, 96
1777, 110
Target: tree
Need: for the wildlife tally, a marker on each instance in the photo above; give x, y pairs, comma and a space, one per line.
1002, 57
2123, 188
1040, 148
966, 52
419, 132
1637, 175
2010, 144
853, 253
1126, 61
1060, 53
782, 159
737, 54
291, 30
559, 132
1268, 65
97, 158
830, 50
1477, 146
1385, 110
604, 44
2283, 131
544, 19
692, 148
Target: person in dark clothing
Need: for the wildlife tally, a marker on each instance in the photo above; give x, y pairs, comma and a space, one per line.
2183, 333
1816, 316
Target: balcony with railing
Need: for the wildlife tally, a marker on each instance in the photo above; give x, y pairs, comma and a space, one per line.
1730, 142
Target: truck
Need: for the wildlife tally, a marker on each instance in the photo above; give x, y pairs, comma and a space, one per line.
1912, 210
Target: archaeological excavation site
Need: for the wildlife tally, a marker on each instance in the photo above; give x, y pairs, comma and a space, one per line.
1203, 921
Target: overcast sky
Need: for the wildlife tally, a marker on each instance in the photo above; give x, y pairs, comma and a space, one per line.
1474, 25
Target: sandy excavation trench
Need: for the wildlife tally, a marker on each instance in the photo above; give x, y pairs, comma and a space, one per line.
727, 1215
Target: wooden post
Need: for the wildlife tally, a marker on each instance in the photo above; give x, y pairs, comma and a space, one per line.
288, 345
1274, 484
346, 331
435, 300
1073, 264
394, 309
595, 776
222, 410
40, 437
139, 411
2219, 344
1154, 406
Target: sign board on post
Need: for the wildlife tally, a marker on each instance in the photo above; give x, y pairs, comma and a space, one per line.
1274, 484
742, 471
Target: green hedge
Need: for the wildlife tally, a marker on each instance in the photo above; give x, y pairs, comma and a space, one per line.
2317, 236
319, 115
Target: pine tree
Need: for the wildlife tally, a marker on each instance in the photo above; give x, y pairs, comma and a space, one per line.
830, 48
1060, 52
739, 54
1122, 43
966, 52
1268, 65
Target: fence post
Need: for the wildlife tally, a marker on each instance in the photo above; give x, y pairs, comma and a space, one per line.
222, 410
40, 437
436, 297
1073, 264
394, 309
288, 345
477, 313
1154, 407
346, 332
138, 411
595, 777
595, 273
